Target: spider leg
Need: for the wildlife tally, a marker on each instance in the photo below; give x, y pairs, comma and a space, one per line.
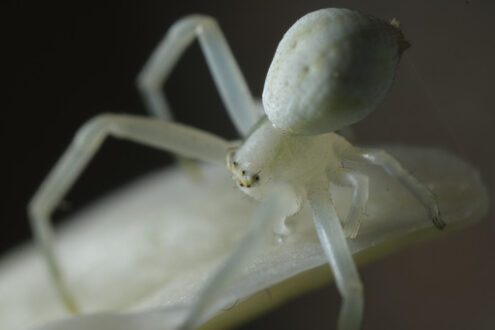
360, 184
164, 135
334, 245
393, 167
259, 233
228, 78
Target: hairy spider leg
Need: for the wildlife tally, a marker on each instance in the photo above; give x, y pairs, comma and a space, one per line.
172, 137
259, 233
234, 91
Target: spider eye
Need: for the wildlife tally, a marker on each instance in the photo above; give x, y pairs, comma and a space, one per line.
241, 184
235, 164
257, 178
243, 172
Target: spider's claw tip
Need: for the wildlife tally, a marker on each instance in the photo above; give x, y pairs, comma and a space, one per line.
351, 234
438, 222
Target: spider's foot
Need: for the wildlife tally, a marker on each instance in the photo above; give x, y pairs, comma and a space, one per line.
437, 220
70, 303
281, 237
353, 223
281, 233
351, 229
281, 230
434, 211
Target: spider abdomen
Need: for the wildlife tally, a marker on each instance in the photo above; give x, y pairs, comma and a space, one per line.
331, 69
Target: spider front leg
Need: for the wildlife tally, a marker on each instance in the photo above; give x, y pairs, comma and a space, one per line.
334, 245
168, 136
360, 184
258, 235
392, 166
228, 78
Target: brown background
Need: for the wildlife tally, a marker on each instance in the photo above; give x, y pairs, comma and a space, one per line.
66, 63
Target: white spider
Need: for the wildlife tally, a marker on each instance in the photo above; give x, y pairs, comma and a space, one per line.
331, 69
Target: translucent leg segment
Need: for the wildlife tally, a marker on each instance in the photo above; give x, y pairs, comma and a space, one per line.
334, 245
259, 232
394, 168
172, 137
228, 78
360, 184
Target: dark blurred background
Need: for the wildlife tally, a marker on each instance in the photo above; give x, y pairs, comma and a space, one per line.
63, 63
